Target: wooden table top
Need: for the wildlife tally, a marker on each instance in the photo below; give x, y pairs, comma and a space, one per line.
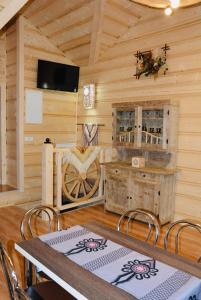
86, 283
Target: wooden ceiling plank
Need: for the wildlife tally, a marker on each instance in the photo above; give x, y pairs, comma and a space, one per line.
79, 52
117, 13
66, 16
77, 22
75, 43
75, 32
126, 7
108, 39
113, 28
54, 11
10, 11
35, 7
135, 9
97, 27
119, 23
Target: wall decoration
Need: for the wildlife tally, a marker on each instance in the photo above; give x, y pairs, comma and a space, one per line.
147, 64
89, 96
90, 133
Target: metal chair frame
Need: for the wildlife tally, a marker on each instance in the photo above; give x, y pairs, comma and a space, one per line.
153, 223
35, 212
183, 224
15, 291
27, 232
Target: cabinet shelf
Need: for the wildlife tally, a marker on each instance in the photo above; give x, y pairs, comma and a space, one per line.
151, 115
152, 118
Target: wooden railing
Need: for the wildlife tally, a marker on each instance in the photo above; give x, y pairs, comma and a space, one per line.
150, 138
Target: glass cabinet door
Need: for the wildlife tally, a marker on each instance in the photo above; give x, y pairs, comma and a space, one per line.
152, 127
125, 126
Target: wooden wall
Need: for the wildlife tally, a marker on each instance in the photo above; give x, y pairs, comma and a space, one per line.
11, 164
113, 76
59, 109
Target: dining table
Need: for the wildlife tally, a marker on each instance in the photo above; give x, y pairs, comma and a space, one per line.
92, 261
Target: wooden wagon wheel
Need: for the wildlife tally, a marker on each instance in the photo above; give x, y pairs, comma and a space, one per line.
79, 187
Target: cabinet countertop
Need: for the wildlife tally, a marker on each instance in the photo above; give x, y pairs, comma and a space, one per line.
153, 170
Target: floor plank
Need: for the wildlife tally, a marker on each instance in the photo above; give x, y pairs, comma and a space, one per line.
6, 188
10, 224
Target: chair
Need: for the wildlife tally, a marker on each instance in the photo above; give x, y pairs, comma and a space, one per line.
179, 226
47, 290
27, 226
148, 217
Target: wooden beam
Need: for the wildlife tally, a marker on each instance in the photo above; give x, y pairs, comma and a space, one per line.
10, 11
96, 30
20, 103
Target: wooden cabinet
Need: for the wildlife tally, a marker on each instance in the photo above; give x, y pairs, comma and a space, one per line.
118, 197
148, 124
130, 188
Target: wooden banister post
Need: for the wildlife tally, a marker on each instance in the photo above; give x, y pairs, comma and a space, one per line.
47, 174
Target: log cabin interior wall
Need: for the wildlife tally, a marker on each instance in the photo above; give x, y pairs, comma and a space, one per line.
113, 76
102, 36
59, 109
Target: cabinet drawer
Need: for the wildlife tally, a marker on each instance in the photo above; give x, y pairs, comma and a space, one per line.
147, 176
116, 171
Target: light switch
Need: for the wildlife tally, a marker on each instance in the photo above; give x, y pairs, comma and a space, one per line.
28, 138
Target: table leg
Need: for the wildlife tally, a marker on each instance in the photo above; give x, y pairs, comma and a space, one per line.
28, 273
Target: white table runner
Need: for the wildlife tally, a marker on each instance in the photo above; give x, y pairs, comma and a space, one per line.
139, 275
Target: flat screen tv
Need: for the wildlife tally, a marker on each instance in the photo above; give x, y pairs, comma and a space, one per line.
56, 76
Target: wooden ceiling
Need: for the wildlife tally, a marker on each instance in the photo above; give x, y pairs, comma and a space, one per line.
85, 29
3, 4
8, 9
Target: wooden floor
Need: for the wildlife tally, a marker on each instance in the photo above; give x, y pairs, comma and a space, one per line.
6, 188
10, 218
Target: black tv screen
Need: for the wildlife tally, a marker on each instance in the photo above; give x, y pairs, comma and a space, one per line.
56, 76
